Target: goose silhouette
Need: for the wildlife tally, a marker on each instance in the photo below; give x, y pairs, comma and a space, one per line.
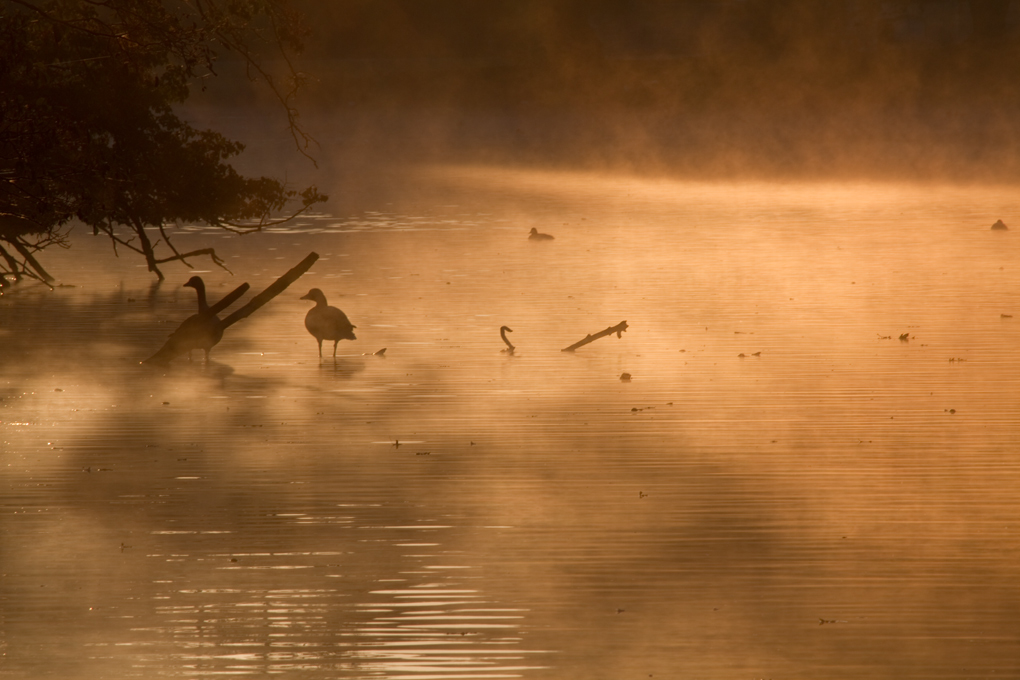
327, 323
503, 330
536, 235
199, 331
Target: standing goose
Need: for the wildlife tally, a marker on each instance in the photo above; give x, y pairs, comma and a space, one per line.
327, 323
199, 331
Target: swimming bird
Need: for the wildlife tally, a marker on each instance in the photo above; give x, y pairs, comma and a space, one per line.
536, 235
199, 331
327, 323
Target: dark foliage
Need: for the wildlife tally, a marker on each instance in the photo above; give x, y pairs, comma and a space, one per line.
88, 132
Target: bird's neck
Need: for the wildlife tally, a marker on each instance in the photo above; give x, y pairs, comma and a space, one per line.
203, 306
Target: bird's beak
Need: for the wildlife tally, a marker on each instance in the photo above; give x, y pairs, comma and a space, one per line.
305, 297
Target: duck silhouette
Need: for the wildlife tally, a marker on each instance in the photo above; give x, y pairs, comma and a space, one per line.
536, 235
327, 323
199, 331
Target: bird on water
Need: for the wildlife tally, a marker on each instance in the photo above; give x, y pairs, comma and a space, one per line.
503, 330
199, 331
536, 235
325, 322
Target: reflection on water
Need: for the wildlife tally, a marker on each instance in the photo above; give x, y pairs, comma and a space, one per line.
784, 488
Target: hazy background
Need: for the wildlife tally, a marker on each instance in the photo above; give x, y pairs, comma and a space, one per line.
890, 88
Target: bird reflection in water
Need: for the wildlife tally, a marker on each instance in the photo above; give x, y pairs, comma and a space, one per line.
327, 323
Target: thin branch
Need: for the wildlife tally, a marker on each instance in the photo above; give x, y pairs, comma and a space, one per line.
202, 251
618, 329
166, 239
247, 229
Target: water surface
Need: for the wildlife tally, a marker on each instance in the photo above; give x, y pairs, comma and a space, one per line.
784, 488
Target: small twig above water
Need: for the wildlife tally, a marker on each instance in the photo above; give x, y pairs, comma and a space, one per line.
618, 329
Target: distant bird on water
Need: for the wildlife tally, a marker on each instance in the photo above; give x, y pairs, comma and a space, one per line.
503, 330
536, 235
327, 323
199, 331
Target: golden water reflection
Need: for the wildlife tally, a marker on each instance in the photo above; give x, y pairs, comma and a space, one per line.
784, 488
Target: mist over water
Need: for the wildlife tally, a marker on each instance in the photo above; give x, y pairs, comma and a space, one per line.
908, 89
783, 488
810, 472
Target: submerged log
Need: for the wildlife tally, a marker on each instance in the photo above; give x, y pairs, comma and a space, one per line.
176, 345
618, 329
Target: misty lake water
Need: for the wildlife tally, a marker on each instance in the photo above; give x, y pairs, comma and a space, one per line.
784, 488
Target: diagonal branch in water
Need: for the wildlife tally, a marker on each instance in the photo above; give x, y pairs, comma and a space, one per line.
229, 299
272, 291
618, 329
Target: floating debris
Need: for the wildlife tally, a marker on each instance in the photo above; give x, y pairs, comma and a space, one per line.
822, 622
625, 377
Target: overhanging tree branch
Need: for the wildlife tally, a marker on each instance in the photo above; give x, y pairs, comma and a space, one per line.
88, 129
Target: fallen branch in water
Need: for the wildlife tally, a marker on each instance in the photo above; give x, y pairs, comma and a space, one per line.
618, 329
272, 291
229, 299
